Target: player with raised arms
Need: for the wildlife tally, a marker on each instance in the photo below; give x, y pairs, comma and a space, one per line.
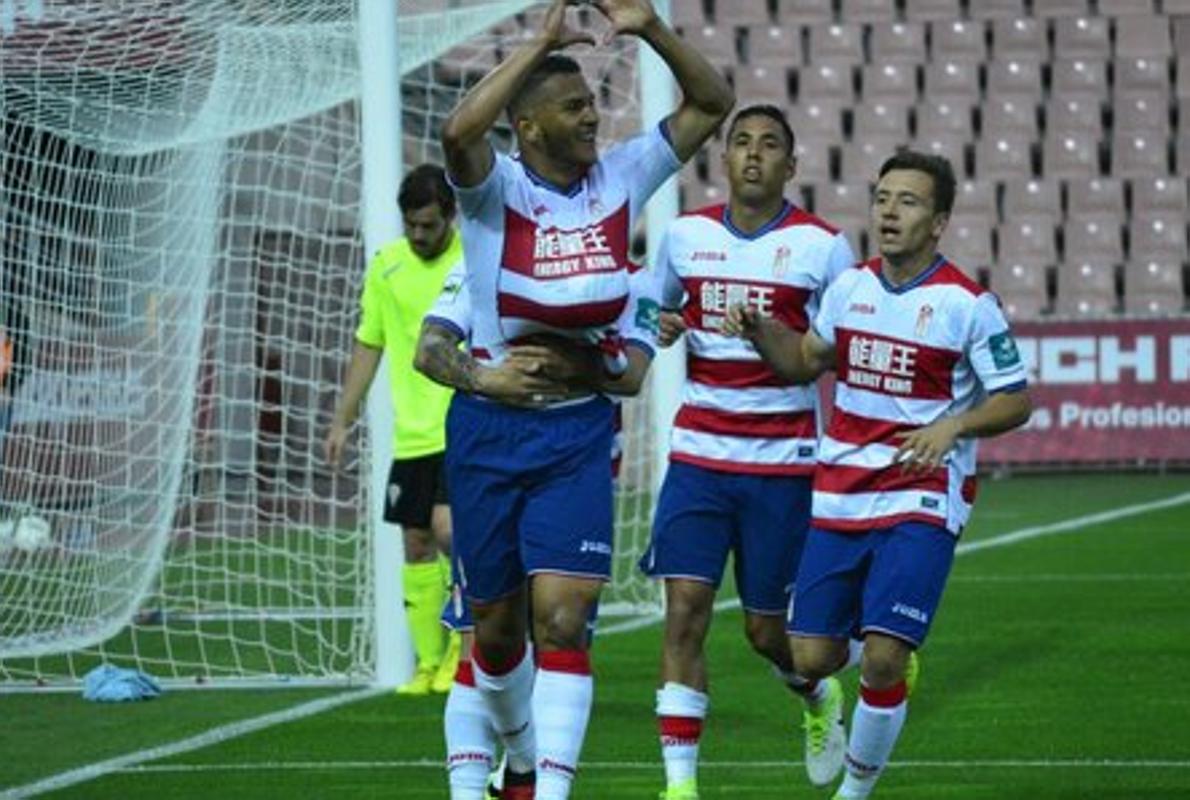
546, 236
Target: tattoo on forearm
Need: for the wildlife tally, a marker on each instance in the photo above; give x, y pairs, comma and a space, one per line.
444, 362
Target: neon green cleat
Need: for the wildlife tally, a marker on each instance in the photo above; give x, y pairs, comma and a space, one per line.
826, 736
444, 676
912, 671
423, 681
685, 790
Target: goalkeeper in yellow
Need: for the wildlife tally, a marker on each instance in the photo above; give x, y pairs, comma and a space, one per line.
402, 282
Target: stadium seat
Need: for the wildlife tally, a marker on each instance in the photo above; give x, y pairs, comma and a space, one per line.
1137, 154
1070, 154
762, 84
1004, 157
716, 43
687, 14
954, 81
814, 158
1015, 77
1027, 241
958, 40
1061, 8
889, 82
860, 160
1140, 110
1120, 8
1041, 199
821, 81
1182, 152
1157, 237
1087, 197
935, 118
844, 205
950, 146
932, 10
1142, 74
867, 11
1086, 288
1153, 287
967, 241
1093, 238
1182, 82
804, 12
1160, 195
1021, 38
1078, 77
976, 199
880, 119
713, 165
1082, 37
899, 41
1008, 115
997, 9
1020, 287
1143, 37
818, 119
702, 194
1067, 114
1171, 7
836, 44
741, 13
773, 44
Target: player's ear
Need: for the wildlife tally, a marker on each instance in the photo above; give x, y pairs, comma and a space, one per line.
790, 166
940, 221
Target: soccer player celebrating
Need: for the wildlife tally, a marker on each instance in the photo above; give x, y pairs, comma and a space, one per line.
402, 282
925, 365
546, 240
744, 441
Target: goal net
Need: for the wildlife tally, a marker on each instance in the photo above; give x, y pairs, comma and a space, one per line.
182, 253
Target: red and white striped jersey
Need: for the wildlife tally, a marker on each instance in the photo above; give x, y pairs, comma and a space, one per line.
906, 356
548, 259
736, 415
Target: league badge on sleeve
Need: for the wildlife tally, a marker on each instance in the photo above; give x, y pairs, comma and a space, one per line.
1004, 352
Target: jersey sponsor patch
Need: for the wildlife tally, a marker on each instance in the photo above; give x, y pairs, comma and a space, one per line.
1004, 352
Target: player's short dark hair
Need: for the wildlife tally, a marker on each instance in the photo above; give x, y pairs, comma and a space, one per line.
773, 113
424, 185
937, 167
550, 66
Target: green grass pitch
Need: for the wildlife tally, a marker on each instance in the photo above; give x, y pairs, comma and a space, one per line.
1056, 670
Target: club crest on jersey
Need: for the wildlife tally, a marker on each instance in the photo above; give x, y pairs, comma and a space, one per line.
924, 315
781, 261
594, 206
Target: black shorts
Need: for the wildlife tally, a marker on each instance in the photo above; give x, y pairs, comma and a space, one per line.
415, 486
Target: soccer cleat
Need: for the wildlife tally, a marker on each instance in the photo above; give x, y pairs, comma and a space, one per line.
422, 681
683, 790
826, 736
518, 785
912, 672
444, 676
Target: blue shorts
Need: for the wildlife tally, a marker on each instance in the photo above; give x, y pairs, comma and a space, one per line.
530, 492
703, 515
888, 580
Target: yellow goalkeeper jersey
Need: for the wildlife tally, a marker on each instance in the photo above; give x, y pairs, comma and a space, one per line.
398, 290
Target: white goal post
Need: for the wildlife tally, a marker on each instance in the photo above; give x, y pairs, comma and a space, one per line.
192, 189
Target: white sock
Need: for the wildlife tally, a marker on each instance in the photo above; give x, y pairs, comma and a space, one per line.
855, 653
561, 708
875, 726
680, 715
470, 738
508, 698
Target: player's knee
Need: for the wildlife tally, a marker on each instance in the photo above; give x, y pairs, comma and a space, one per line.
561, 627
767, 637
419, 546
814, 659
882, 670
